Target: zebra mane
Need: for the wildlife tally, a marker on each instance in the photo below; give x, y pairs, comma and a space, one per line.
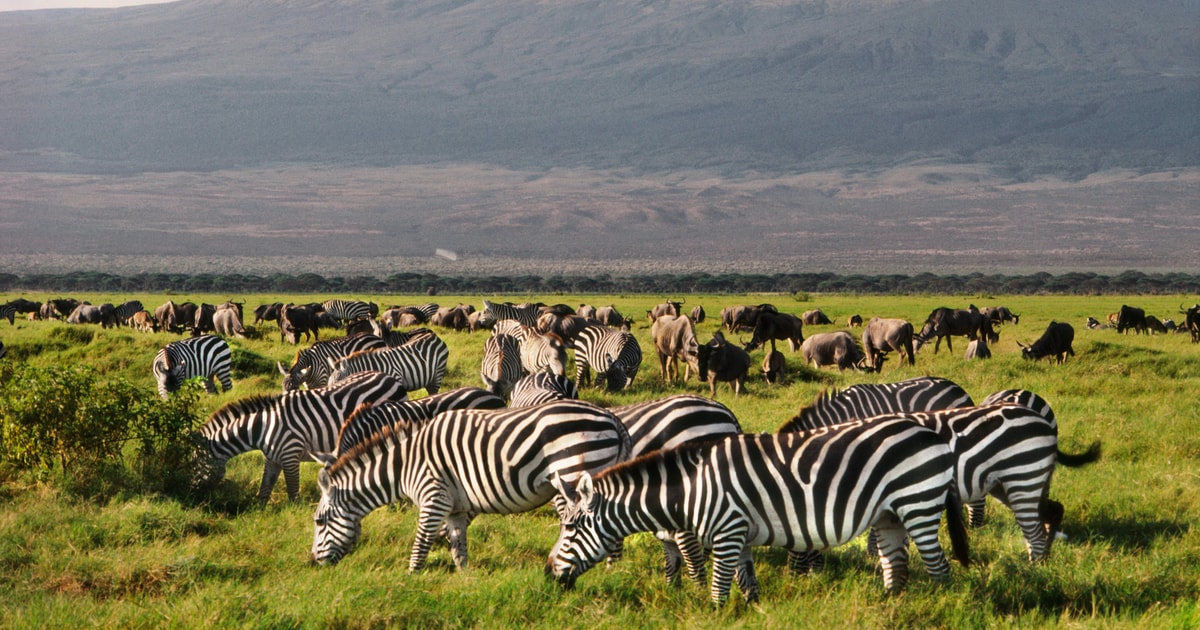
797, 423
381, 438
663, 457
361, 409
235, 411
358, 352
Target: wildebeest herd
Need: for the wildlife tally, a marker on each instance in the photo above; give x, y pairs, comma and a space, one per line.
891, 459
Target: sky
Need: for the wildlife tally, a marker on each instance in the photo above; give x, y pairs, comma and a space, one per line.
24, 5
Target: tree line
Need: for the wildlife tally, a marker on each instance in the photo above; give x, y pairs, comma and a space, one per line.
1041, 283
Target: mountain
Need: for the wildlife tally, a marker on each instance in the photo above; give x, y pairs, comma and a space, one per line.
585, 128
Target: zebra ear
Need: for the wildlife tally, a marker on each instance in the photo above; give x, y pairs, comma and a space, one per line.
585, 489
564, 489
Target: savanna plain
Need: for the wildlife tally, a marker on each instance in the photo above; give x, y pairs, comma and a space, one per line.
1130, 557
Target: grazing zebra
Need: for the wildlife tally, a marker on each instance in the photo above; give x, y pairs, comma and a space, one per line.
857, 402
311, 366
614, 354
501, 365
673, 422
540, 388
461, 464
346, 311
122, 313
808, 490
369, 418
285, 427
1006, 450
207, 357
418, 364
976, 509
524, 314
539, 352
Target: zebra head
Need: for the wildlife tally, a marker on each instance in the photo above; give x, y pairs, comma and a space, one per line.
582, 539
335, 531
613, 376
208, 469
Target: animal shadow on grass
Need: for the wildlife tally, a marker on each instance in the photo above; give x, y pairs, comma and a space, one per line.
1126, 534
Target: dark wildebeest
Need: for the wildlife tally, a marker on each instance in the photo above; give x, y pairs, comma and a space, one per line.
1154, 325
815, 317
19, 305
978, 349
675, 343
185, 315
854, 321
1000, 314
61, 307
881, 336
834, 348
946, 322
204, 320
774, 367
1192, 321
697, 314
737, 317
721, 361
168, 318
296, 320
670, 307
609, 316
267, 313
1130, 317
1055, 342
455, 318
771, 325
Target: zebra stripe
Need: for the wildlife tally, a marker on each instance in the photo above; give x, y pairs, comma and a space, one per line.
1025, 398
285, 427
539, 352
311, 366
501, 365
122, 313
369, 418
345, 311
418, 364
207, 357
461, 464
614, 354
9, 312
806, 490
925, 393
524, 314
541, 388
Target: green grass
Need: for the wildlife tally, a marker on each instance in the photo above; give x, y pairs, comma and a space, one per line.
1130, 559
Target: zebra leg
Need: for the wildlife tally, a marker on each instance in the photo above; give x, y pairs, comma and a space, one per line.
808, 561
893, 552
209, 385
672, 557
728, 552
271, 472
1028, 512
924, 533
693, 555
456, 530
975, 512
433, 509
291, 479
746, 579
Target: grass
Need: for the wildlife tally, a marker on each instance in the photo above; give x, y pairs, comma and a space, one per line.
1129, 559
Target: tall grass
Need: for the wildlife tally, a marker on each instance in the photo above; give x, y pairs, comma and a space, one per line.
1129, 560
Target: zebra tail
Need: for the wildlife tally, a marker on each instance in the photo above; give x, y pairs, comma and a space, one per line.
956, 523
1073, 460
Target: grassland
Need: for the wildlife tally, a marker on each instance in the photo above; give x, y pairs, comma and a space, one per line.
1129, 560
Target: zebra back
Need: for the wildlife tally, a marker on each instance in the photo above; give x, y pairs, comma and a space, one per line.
857, 402
207, 357
500, 368
286, 427
418, 364
122, 313
675, 421
540, 388
614, 354
525, 314
9, 312
311, 366
370, 418
1024, 398
347, 310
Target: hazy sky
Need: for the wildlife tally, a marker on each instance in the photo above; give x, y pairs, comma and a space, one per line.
22, 5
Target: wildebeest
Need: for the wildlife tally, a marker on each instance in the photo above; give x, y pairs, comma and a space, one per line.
1155, 325
815, 317
267, 313
586, 310
296, 320
670, 307
609, 316
943, 323
1192, 321
883, 335
227, 321
978, 349
735, 317
771, 325
1093, 323
1055, 342
453, 317
721, 361
774, 367
90, 314
1130, 317
204, 319
833, 348
697, 314
1000, 314
854, 321
60, 307
674, 342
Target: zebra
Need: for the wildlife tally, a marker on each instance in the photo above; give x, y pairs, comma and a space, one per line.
976, 509
460, 464
369, 418
346, 311
1006, 450
525, 314
542, 387
311, 365
540, 352
673, 422
802, 490
419, 364
207, 357
285, 427
615, 355
9, 312
501, 365
924, 393
122, 313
